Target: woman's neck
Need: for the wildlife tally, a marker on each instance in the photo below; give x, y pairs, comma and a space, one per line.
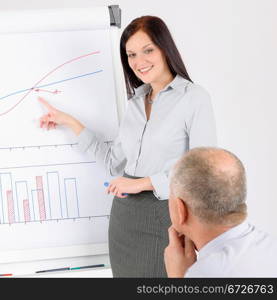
161, 84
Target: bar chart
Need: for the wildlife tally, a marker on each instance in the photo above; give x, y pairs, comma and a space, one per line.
48, 192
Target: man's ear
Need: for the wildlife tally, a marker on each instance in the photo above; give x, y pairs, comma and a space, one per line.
182, 211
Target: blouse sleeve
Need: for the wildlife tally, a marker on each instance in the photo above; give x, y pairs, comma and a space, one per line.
201, 129
160, 182
200, 120
110, 152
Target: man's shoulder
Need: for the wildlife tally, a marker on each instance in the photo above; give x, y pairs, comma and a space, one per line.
213, 265
251, 254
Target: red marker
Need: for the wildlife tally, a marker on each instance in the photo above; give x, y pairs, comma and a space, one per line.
5, 275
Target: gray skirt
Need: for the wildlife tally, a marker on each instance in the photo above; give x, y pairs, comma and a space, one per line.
138, 235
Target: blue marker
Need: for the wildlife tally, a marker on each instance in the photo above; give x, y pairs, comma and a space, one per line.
87, 267
106, 184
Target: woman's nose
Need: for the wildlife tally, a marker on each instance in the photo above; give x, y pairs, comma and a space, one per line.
139, 60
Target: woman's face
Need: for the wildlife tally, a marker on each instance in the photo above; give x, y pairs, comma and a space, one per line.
146, 59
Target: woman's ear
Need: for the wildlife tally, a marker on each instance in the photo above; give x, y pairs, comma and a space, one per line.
182, 211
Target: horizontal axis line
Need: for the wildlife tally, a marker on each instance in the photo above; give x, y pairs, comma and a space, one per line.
47, 220
48, 165
37, 146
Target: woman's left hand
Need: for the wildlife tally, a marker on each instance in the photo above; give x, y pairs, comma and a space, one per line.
123, 185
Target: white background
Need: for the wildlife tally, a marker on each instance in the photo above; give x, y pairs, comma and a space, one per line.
229, 47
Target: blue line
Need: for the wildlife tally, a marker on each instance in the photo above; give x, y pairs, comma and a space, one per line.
3, 213
52, 83
18, 92
14, 202
59, 188
75, 185
77, 198
59, 185
49, 199
65, 196
37, 205
33, 204
16, 195
27, 195
17, 200
11, 185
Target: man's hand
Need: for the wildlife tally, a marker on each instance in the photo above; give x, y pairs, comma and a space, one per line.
179, 255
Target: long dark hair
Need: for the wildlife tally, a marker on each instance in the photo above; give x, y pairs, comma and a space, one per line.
158, 32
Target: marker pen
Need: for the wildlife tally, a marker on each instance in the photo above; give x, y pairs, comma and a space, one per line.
88, 267
106, 184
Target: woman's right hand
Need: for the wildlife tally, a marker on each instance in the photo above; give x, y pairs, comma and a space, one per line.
56, 117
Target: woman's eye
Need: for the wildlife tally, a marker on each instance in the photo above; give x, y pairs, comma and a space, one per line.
147, 51
131, 55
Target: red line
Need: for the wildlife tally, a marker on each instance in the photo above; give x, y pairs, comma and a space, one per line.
48, 74
47, 91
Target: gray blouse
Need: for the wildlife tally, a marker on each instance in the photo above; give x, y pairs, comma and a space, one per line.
181, 118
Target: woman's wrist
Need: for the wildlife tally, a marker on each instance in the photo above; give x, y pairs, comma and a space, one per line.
75, 126
145, 184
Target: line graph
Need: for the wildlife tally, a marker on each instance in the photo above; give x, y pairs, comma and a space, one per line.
38, 85
38, 88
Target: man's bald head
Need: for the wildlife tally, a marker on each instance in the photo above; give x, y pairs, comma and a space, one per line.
212, 183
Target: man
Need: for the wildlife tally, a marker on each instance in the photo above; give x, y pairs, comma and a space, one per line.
208, 213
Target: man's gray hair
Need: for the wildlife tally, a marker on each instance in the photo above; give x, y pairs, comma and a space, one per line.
212, 182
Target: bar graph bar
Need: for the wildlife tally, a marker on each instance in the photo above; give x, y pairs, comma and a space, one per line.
40, 197
22, 196
54, 195
34, 194
10, 204
71, 197
26, 209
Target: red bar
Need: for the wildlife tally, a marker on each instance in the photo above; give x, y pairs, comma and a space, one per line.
41, 202
26, 209
10, 203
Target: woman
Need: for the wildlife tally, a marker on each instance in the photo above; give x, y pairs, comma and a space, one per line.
166, 116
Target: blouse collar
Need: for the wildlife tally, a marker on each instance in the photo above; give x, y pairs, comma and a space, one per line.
178, 83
